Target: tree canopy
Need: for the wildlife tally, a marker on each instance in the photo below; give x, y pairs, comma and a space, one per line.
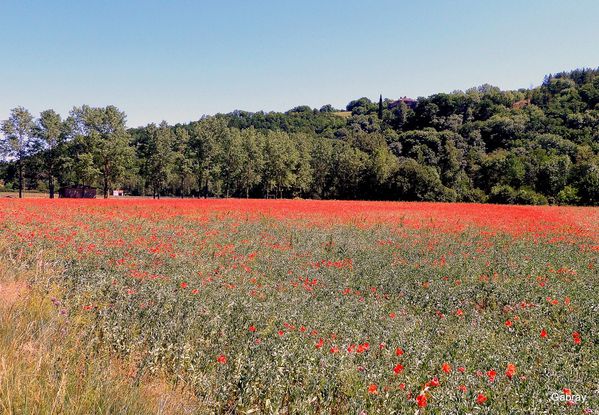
529, 146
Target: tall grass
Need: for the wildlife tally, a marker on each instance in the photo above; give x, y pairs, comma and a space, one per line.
48, 367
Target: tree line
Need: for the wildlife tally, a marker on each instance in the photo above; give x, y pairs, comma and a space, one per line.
530, 146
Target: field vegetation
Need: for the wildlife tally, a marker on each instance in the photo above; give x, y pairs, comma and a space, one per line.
280, 306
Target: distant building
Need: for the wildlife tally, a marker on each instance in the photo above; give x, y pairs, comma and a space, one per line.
410, 103
118, 192
77, 192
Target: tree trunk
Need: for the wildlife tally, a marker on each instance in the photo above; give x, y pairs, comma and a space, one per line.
51, 186
105, 187
20, 179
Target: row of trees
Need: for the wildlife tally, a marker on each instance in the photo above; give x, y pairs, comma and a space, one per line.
527, 146
92, 146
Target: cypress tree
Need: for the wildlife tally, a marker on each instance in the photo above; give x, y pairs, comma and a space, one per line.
381, 107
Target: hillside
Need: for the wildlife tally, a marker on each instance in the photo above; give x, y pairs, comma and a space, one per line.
530, 146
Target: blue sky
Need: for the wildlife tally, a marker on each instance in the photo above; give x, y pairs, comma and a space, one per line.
176, 60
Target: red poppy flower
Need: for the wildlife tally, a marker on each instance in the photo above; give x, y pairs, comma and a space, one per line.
398, 369
320, 343
462, 388
480, 399
508, 323
421, 400
491, 374
373, 389
183, 285
434, 382
446, 368
576, 337
461, 369
399, 351
252, 329
222, 359
334, 349
511, 370
543, 333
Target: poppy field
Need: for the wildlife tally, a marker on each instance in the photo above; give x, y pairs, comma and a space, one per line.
298, 307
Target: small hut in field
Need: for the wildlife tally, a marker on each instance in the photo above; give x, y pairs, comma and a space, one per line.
77, 192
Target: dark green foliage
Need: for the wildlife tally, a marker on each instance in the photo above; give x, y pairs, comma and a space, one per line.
532, 146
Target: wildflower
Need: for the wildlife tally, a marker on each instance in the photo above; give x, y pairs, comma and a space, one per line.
334, 349
434, 382
252, 328
480, 399
543, 333
399, 351
421, 400
511, 370
398, 369
567, 391
195, 291
373, 389
281, 332
392, 315
222, 359
446, 368
183, 285
320, 343
363, 347
462, 388
508, 323
459, 312
461, 369
576, 337
491, 374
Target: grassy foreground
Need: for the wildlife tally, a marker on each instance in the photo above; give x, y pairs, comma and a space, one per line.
49, 367
296, 307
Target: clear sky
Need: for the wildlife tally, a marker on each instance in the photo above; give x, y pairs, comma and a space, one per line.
176, 60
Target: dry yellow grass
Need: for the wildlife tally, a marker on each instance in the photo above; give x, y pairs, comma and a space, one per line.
343, 114
46, 366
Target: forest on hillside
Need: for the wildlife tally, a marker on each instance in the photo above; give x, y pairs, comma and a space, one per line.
530, 146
